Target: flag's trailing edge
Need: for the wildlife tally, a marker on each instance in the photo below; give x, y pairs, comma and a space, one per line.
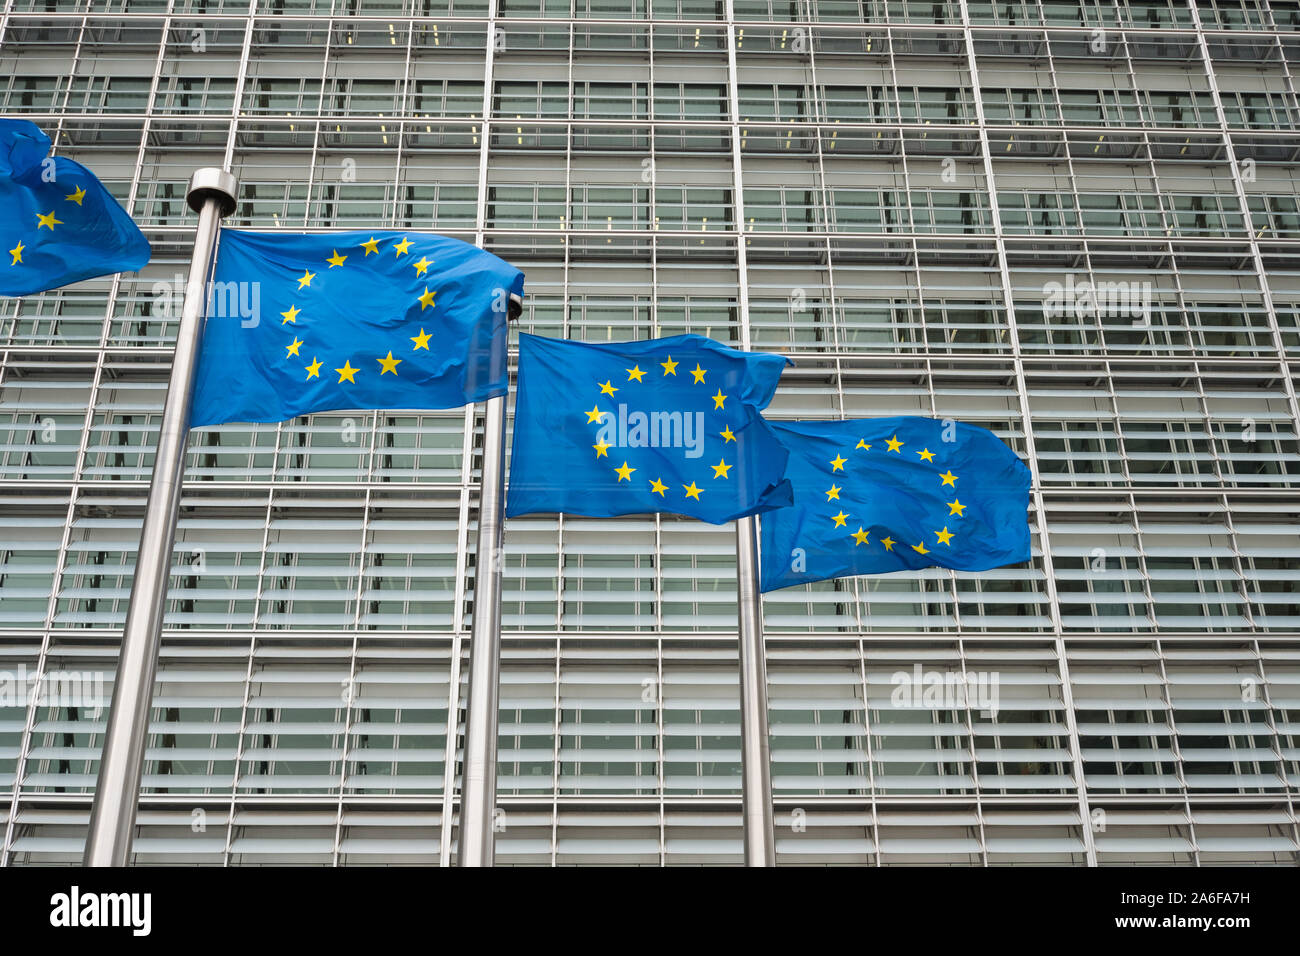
300, 323
58, 224
667, 425
877, 495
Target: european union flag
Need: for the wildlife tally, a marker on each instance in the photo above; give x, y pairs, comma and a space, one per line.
300, 323
877, 495
62, 224
669, 425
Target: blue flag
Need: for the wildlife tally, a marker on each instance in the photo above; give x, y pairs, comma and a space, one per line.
59, 224
300, 323
669, 425
876, 495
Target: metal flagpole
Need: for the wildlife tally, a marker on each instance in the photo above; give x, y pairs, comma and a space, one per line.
478, 790
755, 771
112, 816
755, 762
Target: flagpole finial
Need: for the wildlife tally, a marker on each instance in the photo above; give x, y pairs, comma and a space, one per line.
211, 182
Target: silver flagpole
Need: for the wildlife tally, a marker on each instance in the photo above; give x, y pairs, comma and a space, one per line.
755, 771
478, 788
112, 816
755, 764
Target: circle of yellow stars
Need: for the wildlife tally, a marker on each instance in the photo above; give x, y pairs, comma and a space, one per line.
337, 260
638, 374
48, 221
893, 445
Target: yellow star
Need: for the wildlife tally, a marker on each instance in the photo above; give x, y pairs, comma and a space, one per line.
718, 400
949, 478
888, 543
313, 370
76, 195
727, 435
388, 363
291, 315
600, 447
305, 278
692, 491
955, 507
920, 548
607, 388
926, 454
698, 373
347, 372
625, 473
860, 536
336, 259
17, 253
894, 444
422, 340
944, 536
839, 519
426, 300
293, 349
862, 443
371, 245
635, 373
657, 487
595, 414
837, 463
721, 468
422, 266
670, 368
48, 220
834, 493
402, 247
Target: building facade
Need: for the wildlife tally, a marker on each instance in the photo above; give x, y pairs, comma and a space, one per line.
1074, 222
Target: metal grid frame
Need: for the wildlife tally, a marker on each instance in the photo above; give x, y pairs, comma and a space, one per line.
565, 824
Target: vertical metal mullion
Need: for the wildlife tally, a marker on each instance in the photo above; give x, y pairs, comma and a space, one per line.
661, 756
853, 587
860, 643
72, 76
652, 220
74, 491
317, 129
351, 686
556, 746
1271, 720
1261, 272
241, 80
1152, 621
348, 697
570, 214
1239, 564
1073, 175
248, 677
400, 117
974, 755
239, 750
1049, 573
1174, 747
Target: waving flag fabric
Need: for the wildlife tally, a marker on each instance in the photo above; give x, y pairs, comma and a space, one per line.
58, 224
890, 494
300, 323
666, 425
